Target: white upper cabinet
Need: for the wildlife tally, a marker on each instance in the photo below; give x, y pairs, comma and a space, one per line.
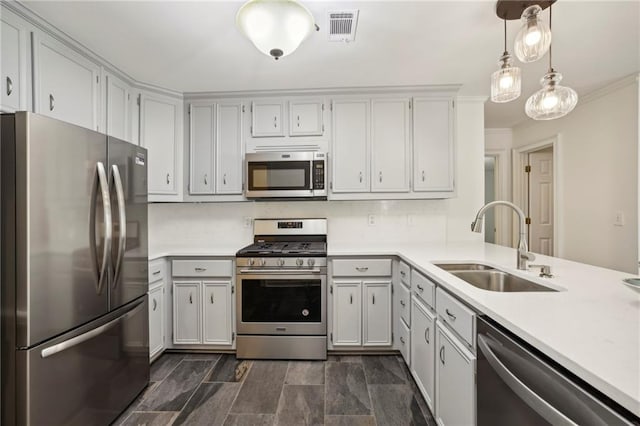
377, 318
229, 148
117, 107
266, 118
433, 144
305, 117
390, 145
202, 148
351, 121
14, 55
66, 83
161, 134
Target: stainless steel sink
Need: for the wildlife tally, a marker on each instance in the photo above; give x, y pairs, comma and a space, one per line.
488, 278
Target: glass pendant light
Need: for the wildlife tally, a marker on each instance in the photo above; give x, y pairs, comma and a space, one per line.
506, 82
275, 27
534, 38
553, 100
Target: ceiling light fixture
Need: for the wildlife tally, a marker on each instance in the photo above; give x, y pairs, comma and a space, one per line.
506, 82
553, 100
534, 38
275, 27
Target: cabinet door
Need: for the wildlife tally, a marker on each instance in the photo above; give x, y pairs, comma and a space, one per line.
229, 148
186, 311
160, 133
267, 119
216, 310
455, 381
432, 144
13, 57
66, 83
390, 148
156, 320
347, 313
202, 132
305, 118
377, 316
117, 101
350, 146
423, 344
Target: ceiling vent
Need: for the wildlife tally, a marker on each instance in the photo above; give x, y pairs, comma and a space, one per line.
342, 25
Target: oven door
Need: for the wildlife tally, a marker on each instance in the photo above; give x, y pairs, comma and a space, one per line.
281, 175
282, 303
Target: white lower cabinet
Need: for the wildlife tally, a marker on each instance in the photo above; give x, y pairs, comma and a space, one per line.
347, 316
423, 344
455, 381
156, 319
216, 312
404, 341
377, 305
186, 311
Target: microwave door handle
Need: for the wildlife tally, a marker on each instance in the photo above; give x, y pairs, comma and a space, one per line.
311, 175
532, 399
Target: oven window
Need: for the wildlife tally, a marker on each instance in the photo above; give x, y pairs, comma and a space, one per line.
279, 175
281, 300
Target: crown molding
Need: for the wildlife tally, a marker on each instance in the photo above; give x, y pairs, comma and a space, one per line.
498, 131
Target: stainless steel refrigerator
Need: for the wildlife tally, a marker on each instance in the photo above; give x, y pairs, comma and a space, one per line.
75, 345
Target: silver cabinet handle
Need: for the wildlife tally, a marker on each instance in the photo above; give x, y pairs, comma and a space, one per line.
402, 303
155, 304
420, 288
190, 298
362, 268
156, 272
402, 339
532, 399
101, 185
426, 335
380, 176
450, 315
224, 179
423, 175
442, 355
168, 178
206, 181
373, 299
52, 102
360, 177
200, 269
351, 299
298, 121
275, 121
122, 219
211, 298
9, 86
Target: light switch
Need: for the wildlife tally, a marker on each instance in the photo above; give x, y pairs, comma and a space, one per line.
372, 219
619, 220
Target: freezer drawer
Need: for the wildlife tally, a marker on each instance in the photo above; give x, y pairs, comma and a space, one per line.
89, 376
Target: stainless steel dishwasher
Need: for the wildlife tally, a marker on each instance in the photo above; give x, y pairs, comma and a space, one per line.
517, 387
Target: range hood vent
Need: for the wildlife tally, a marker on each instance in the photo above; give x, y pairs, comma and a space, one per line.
342, 25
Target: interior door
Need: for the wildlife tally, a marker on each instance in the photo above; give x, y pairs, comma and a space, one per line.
62, 226
541, 202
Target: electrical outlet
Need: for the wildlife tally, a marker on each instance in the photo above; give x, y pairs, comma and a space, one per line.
372, 219
247, 222
619, 219
411, 219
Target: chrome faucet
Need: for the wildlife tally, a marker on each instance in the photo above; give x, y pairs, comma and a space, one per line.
523, 250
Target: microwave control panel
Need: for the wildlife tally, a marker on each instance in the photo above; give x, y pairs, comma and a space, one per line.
318, 174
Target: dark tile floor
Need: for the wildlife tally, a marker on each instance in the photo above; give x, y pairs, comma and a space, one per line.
212, 389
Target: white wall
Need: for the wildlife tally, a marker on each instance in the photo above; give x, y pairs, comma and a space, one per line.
202, 225
498, 143
598, 175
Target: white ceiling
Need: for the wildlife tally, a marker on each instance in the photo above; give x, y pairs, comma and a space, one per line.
195, 46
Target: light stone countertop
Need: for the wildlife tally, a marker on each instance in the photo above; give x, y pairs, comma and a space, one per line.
591, 326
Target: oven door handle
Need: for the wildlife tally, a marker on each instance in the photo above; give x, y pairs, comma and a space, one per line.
279, 272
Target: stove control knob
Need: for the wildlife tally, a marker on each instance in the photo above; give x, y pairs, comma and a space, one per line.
280, 262
299, 262
311, 262
252, 262
263, 262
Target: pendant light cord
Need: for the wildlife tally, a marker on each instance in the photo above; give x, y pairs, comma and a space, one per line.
550, 44
505, 35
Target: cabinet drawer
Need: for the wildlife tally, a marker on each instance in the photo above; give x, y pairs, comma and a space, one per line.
405, 342
405, 274
363, 267
423, 287
404, 302
157, 270
458, 317
202, 268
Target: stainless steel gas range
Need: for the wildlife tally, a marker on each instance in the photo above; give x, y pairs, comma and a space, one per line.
281, 302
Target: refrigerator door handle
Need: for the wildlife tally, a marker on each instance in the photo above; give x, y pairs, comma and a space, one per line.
100, 269
74, 341
122, 219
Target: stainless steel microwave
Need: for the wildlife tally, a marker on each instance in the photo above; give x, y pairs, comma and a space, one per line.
286, 175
